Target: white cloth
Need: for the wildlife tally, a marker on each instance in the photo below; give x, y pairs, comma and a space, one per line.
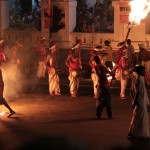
54, 83
123, 82
95, 79
139, 125
146, 64
41, 69
74, 83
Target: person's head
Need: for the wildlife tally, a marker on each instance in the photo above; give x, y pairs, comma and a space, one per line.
96, 59
52, 42
139, 71
36, 2
106, 42
141, 47
128, 41
93, 52
2, 42
79, 41
43, 38
72, 51
16, 3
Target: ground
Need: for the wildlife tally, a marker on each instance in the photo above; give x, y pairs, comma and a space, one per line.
61, 122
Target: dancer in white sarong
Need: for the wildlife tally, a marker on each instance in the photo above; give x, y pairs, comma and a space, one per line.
73, 64
52, 66
94, 75
139, 127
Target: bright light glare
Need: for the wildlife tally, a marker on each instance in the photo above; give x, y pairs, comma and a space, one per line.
139, 10
2, 113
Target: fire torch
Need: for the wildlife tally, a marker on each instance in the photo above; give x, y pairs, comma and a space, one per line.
139, 11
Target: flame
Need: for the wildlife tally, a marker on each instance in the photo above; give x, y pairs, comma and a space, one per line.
139, 10
113, 64
109, 77
2, 113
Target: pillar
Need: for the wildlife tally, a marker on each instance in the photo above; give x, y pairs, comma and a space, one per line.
4, 16
63, 35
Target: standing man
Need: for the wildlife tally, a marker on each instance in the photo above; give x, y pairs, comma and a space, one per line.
77, 48
52, 67
125, 65
42, 48
104, 99
109, 57
73, 63
130, 54
94, 75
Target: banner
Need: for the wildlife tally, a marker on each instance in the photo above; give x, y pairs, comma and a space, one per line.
124, 12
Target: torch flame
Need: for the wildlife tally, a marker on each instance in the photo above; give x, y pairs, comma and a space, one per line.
139, 10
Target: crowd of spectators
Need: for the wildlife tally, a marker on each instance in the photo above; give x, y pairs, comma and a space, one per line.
22, 19
99, 18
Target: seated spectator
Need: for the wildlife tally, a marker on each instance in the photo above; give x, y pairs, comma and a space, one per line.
98, 8
16, 9
96, 25
88, 28
37, 8
26, 21
90, 16
17, 21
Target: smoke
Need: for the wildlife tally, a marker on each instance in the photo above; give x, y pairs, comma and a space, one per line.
17, 70
13, 83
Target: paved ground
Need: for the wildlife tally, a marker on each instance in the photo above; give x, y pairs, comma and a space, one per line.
46, 122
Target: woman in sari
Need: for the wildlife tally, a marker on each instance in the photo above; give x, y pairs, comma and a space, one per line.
139, 126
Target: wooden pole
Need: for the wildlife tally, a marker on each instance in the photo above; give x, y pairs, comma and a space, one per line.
124, 43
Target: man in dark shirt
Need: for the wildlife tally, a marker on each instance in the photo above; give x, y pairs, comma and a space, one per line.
104, 99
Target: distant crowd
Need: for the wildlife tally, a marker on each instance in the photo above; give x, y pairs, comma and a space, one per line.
21, 19
99, 18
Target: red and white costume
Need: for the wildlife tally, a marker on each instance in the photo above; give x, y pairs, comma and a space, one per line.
73, 63
94, 75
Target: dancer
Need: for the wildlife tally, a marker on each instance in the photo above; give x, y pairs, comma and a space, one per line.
94, 75
73, 63
52, 67
125, 66
2, 99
